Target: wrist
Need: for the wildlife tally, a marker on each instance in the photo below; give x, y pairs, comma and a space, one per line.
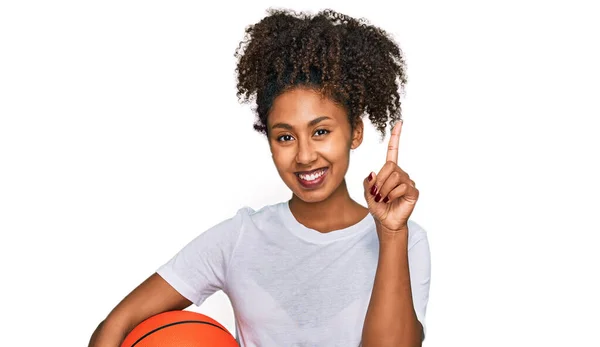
392, 235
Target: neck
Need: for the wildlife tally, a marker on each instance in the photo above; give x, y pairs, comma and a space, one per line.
336, 212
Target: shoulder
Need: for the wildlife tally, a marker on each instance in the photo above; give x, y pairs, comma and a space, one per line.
249, 215
266, 214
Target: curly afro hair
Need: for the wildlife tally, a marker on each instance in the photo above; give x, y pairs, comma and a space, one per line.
346, 59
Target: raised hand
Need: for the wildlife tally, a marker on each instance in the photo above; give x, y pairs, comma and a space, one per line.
391, 195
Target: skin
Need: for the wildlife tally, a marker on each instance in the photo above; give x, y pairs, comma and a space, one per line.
151, 297
299, 146
391, 319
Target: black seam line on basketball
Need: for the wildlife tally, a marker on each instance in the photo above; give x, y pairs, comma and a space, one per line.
176, 323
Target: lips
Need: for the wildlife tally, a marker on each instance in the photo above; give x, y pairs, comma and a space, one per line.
312, 179
311, 175
310, 172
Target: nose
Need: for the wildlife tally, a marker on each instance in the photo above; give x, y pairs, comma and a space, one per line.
306, 153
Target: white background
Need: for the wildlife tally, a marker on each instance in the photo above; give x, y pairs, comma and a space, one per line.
121, 139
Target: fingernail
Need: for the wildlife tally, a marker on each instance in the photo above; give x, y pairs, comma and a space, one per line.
373, 189
386, 199
370, 177
378, 197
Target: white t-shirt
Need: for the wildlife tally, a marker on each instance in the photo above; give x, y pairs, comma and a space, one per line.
290, 285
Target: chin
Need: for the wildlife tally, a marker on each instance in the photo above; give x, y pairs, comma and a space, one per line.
311, 197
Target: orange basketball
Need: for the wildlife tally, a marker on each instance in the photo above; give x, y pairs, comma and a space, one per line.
181, 329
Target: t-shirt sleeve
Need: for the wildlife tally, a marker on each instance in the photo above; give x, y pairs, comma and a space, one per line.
419, 264
199, 269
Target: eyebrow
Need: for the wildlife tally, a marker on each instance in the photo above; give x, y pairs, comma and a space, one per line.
310, 124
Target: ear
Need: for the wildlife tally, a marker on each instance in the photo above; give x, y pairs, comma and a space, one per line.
357, 135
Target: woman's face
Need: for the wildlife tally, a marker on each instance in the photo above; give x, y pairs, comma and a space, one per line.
310, 139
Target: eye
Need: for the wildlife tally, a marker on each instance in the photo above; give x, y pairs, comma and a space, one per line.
279, 139
324, 132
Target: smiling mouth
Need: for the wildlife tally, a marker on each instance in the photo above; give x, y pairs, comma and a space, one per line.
311, 175
312, 179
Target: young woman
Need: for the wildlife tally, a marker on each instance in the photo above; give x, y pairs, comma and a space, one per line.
319, 269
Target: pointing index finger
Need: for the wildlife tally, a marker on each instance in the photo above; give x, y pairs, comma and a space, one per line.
392, 153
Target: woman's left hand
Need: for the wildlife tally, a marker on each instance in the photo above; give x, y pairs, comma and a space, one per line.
391, 195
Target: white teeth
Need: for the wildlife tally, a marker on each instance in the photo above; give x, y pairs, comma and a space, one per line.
313, 176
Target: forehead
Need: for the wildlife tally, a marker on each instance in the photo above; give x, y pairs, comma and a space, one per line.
299, 106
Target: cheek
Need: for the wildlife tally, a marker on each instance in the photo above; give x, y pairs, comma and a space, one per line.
335, 150
282, 158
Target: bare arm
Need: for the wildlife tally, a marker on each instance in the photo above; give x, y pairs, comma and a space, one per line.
150, 298
391, 319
